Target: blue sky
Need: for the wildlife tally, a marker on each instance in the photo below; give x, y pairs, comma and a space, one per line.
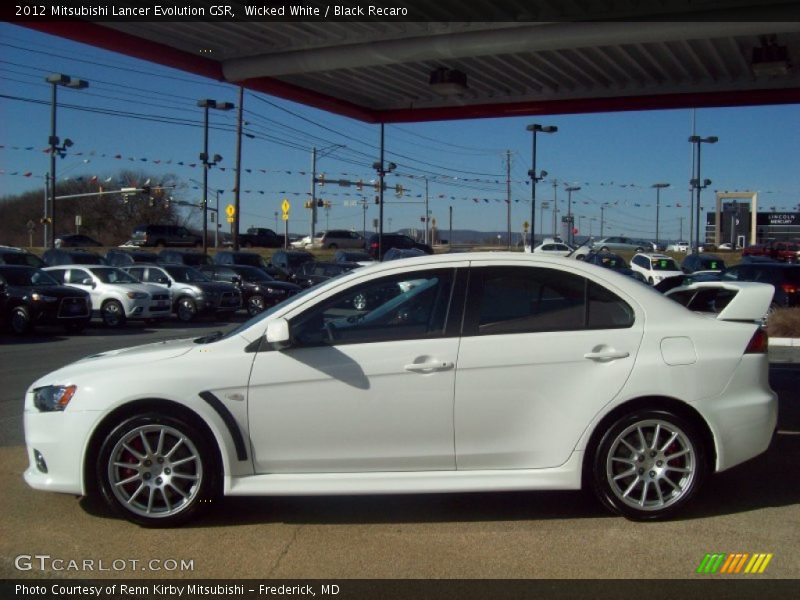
613, 157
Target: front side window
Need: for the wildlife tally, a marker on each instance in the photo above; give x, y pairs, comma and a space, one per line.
409, 306
530, 299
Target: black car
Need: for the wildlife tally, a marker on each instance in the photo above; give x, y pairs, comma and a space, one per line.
165, 235
18, 256
55, 257
609, 260
352, 256
183, 257
259, 290
289, 261
119, 257
249, 259
669, 283
32, 297
312, 273
702, 262
76, 240
784, 277
394, 240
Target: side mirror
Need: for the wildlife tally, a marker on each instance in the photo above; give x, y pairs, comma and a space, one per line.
88, 281
278, 334
236, 280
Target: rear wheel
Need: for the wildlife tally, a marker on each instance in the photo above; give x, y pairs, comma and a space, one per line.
649, 465
156, 470
112, 313
20, 320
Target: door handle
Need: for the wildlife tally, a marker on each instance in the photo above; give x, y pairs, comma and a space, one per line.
606, 355
429, 367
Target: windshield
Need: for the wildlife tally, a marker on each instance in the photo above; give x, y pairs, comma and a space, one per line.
664, 264
113, 276
23, 258
252, 274
186, 275
27, 277
295, 260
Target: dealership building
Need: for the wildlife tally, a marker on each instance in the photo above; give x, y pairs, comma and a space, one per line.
733, 221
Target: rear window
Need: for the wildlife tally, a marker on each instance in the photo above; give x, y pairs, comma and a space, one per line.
712, 264
664, 264
21, 258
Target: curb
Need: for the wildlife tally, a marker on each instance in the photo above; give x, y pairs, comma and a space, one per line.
784, 350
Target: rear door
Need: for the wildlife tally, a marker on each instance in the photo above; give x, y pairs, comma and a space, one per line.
543, 351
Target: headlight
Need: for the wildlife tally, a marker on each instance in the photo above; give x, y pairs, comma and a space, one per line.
53, 397
138, 295
36, 297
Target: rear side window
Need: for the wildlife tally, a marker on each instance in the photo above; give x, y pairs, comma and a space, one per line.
527, 300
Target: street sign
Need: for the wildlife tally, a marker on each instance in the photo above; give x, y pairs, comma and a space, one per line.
230, 219
30, 225
526, 226
285, 207
285, 216
230, 210
78, 221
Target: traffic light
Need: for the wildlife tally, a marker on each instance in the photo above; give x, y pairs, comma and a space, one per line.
359, 185
377, 199
327, 203
320, 203
398, 190
321, 179
308, 204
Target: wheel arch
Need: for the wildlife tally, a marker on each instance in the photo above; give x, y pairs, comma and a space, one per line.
666, 403
137, 407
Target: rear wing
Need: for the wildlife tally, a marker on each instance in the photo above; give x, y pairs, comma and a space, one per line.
726, 300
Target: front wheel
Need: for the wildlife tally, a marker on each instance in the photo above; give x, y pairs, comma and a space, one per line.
20, 320
187, 309
649, 465
156, 470
113, 314
255, 305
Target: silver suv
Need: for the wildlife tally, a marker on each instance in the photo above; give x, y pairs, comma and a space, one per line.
191, 292
338, 238
116, 296
624, 244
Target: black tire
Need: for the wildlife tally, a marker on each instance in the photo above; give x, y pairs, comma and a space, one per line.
186, 309
169, 481
256, 304
112, 313
19, 319
633, 474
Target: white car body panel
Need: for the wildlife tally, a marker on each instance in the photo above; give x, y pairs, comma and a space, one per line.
490, 423
749, 304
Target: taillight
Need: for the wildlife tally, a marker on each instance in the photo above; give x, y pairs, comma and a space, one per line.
374, 245
789, 288
758, 343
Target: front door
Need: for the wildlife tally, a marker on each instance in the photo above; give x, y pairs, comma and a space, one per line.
367, 384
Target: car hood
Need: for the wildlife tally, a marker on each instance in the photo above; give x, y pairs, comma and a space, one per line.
213, 287
147, 353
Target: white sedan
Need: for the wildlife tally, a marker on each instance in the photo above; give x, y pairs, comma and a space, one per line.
553, 249
494, 371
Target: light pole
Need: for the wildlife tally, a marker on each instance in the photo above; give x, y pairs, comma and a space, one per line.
217, 223
315, 154
382, 169
207, 104
55, 80
569, 214
659, 187
695, 183
536, 128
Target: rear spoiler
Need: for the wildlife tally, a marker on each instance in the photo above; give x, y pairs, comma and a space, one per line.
728, 300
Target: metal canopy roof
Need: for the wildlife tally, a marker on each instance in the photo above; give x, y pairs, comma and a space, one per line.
379, 71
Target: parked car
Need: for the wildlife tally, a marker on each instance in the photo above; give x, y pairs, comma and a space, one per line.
116, 295
183, 257
784, 251
191, 292
678, 247
398, 253
635, 397
262, 237
10, 255
289, 261
259, 290
58, 256
120, 257
655, 267
622, 244
553, 249
32, 297
702, 262
394, 240
314, 272
353, 256
338, 238
76, 240
249, 259
165, 235
785, 278
609, 260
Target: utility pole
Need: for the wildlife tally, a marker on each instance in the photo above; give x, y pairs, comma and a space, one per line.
238, 179
680, 236
450, 235
555, 208
427, 212
508, 196
602, 219
313, 193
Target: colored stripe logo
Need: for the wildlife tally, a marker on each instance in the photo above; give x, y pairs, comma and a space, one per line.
733, 564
